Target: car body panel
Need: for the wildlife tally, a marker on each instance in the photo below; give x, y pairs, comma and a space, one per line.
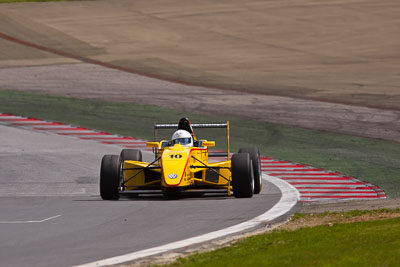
176, 166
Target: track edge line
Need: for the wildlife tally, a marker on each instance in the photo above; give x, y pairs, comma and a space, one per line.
289, 198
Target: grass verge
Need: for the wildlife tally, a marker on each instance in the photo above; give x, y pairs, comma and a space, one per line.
371, 160
365, 243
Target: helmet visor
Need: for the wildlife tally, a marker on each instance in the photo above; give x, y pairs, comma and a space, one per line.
182, 141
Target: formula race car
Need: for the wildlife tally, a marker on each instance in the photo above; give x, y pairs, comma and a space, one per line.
181, 165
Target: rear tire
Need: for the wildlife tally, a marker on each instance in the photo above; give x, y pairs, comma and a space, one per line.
110, 177
242, 175
255, 158
131, 154
128, 154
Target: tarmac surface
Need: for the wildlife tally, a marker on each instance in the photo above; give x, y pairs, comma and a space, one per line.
51, 213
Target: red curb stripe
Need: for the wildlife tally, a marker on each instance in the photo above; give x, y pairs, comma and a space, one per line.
332, 183
294, 170
337, 192
36, 124
301, 174
5, 115
123, 143
340, 197
315, 178
61, 129
19, 119
278, 161
88, 133
141, 148
329, 187
283, 169
282, 166
107, 138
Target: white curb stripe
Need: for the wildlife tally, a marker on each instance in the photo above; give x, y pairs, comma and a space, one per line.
289, 198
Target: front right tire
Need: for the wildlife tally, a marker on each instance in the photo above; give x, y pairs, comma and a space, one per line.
110, 177
242, 175
256, 161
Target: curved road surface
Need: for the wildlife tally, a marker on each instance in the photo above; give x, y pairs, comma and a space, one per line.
51, 213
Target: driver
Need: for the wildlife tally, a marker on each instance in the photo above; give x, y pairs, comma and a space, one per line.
182, 137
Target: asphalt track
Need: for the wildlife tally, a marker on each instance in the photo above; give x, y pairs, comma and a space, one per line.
51, 213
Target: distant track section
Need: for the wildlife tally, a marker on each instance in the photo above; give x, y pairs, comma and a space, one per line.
314, 184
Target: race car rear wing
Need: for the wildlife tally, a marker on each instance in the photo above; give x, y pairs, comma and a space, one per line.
194, 125
197, 125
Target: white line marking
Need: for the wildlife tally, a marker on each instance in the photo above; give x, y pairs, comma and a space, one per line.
290, 196
44, 220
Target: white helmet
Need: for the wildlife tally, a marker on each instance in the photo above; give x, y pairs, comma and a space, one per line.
182, 137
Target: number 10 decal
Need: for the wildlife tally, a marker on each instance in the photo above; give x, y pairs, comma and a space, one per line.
175, 156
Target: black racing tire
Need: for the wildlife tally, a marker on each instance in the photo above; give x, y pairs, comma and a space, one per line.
242, 175
110, 177
128, 154
131, 154
255, 158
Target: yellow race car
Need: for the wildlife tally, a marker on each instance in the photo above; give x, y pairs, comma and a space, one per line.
182, 165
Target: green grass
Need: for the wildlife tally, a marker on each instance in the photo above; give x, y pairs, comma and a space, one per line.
348, 214
375, 161
372, 243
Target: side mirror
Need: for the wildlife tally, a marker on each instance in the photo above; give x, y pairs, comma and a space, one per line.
208, 143
152, 144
